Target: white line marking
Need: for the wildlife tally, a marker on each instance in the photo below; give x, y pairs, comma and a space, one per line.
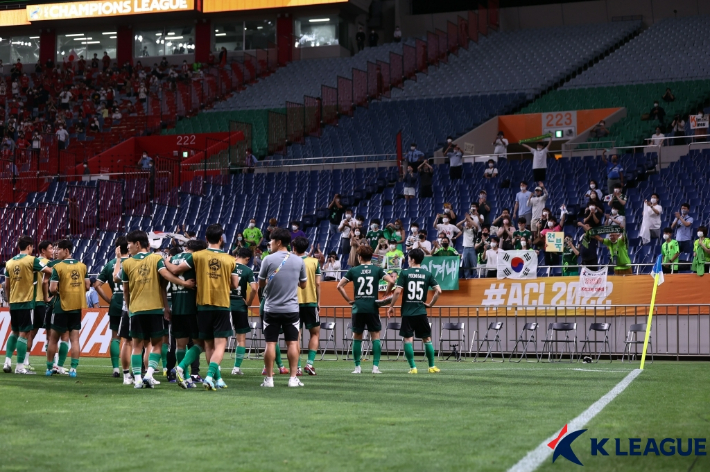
537, 456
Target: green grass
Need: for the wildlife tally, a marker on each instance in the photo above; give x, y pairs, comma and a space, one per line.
482, 417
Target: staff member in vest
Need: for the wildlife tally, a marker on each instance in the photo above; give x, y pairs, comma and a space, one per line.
281, 276
147, 301
539, 164
69, 283
308, 302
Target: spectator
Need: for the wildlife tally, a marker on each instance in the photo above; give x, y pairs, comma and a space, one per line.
522, 206
651, 223
258, 257
394, 234
490, 257
394, 257
382, 247
449, 145
470, 227
570, 253
356, 240
397, 37
360, 39
437, 244
551, 226
373, 39
657, 113
145, 161
252, 234
668, 96
273, 224
344, 229
619, 253
657, 138
600, 130
504, 215
455, 163
701, 252
65, 99
106, 60
614, 218
593, 188
296, 231
331, 268
539, 163
700, 131
593, 216
94, 125
522, 238
426, 177
678, 129
414, 156
446, 226
62, 137
537, 202
491, 171
422, 243
375, 233
620, 198
92, 298
445, 249
410, 182
588, 247
482, 243
614, 171
670, 251
335, 211
505, 234
413, 236
239, 243
594, 199
475, 216
500, 145
484, 209
249, 161
683, 224
448, 213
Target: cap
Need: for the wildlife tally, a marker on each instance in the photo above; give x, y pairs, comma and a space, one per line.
538, 188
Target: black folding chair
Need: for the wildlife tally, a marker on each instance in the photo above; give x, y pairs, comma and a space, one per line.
527, 336
551, 341
329, 328
386, 339
632, 338
495, 327
348, 343
605, 348
255, 340
460, 338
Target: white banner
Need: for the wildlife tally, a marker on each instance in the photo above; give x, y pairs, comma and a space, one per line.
698, 122
517, 265
593, 282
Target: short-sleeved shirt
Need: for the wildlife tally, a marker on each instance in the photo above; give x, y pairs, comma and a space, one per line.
374, 236
539, 159
106, 276
670, 249
448, 229
237, 298
365, 279
414, 283
613, 171
252, 235
622, 197
525, 234
538, 204
20, 273
281, 292
522, 199
440, 251
184, 301
684, 233
619, 253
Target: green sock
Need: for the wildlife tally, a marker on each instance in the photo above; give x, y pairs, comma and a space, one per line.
409, 354
179, 355
190, 356
278, 357
11, 344
164, 354
212, 369
311, 357
136, 365
50, 364
153, 360
217, 373
115, 350
299, 360
63, 350
376, 352
357, 351
21, 350
74, 363
429, 349
241, 350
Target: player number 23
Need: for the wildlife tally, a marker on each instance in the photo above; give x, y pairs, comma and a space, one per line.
416, 289
365, 287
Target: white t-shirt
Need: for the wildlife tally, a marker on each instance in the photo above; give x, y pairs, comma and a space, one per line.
539, 159
492, 171
501, 146
448, 229
345, 230
654, 219
657, 139
469, 235
62, 134
492, 259
422, 245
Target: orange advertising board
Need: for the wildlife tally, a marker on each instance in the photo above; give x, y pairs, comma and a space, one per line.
13, 18
213, 6
97, 9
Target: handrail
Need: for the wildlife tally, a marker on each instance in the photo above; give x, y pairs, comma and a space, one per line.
665, 138
312, 160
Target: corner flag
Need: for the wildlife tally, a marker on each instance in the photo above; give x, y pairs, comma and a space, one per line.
657, 273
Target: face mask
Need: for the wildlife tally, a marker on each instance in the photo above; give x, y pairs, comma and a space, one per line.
505, 222
591, 208
550, 224
397, 226
373, 227
491, 165
545, 214
438, 240
448, 140
239, 238
348, 216
482, 196
592, 186
522, 189
485, 235
412, 148
614, 212
294, 228
414, 229
700, 234
523, 243
445, 220
391, 246
494, 244
666, 237
683, 212
445, 244
617, 190
251, 225
653, 200
357, 233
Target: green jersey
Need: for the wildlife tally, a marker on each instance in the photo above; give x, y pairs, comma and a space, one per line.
414, 283
670, 249
524, 234
106, 276
184, 301
252, 236
373, 237
365, 279
569, 258
237, 300
619, 253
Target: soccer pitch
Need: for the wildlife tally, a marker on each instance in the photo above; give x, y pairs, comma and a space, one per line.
469, 417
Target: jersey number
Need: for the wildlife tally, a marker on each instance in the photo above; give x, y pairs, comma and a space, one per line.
366, 287
416, 290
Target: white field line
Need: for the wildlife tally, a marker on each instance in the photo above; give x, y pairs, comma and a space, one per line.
537, 456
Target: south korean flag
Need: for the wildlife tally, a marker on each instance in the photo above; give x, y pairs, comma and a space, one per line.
517, 265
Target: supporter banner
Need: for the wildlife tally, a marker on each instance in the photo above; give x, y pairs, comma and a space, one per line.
536, 138
97, 9
554, 241
95, 338
517, 265
698, 122
445, 270
593, 282
601, 230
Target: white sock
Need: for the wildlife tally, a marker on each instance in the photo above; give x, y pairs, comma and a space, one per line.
27, 360
209, 379
8, 361
116, 369
149, 373
138, 379
237, 369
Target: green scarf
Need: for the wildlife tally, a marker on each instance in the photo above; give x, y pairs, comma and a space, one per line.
536, 138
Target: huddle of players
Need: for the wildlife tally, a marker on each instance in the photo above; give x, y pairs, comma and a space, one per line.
217, 309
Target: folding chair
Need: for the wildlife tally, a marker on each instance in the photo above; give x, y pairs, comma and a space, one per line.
460, 337
254, 340
551, 340
606, 347
348, 343
527, 336
232, 346
329, 328
495, 327
386, 339
632, 338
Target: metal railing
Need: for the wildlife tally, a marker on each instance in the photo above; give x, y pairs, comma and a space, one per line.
334, 160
